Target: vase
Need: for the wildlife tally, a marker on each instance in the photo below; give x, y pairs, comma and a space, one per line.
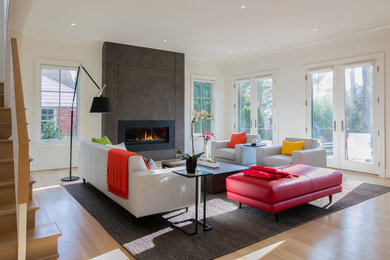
205, 151
191, 165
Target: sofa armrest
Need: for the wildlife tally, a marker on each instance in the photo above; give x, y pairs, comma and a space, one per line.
215, 145
314, 157
262, 152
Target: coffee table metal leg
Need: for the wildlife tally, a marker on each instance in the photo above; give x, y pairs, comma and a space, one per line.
196, 204
205, 226
196, 220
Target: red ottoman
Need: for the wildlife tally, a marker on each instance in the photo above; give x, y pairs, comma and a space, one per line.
274, 196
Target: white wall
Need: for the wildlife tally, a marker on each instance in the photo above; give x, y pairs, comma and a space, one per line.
36, 47
210, 70
290, 69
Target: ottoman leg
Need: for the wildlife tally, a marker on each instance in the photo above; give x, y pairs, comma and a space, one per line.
277, 217
240, 205
330, 199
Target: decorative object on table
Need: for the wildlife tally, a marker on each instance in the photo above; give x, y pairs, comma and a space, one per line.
208, 163
192, 160
254, 142
206, 136
100, 104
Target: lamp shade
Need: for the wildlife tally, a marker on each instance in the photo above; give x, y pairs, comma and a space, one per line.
100, 105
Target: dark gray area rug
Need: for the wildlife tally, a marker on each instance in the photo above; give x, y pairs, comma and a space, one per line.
233, 228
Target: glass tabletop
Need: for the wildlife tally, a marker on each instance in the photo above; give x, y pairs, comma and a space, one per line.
198, 173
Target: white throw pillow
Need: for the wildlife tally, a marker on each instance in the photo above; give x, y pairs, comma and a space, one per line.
152, 164
118, 146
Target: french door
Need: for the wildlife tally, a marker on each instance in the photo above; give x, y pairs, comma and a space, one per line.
345, 113
256, 107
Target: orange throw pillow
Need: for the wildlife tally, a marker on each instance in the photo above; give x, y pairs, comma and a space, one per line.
237, 139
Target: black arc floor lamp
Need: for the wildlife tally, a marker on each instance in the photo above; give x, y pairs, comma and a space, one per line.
100, 104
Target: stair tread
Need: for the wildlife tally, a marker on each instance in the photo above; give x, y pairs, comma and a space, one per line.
8, 160
5, 108
6, 123
10, 208
5, 141
11, 182
9, 239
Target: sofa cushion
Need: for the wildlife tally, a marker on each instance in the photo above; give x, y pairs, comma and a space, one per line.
277, 160
289, 147
104, 140
237, 138
226, 153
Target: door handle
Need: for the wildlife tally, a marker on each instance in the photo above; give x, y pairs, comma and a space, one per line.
334, 126
342, 126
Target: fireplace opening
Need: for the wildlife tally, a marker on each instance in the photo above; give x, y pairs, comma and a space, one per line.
147, 135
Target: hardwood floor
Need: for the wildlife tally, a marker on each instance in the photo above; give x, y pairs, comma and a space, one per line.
358, 232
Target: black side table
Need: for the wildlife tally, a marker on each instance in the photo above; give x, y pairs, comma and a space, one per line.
197, 175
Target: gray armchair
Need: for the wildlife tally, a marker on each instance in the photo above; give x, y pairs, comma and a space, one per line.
310, 155
240, 155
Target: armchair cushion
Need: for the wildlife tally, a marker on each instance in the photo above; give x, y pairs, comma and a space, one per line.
277, 160
237, 138
289, 147
227, 153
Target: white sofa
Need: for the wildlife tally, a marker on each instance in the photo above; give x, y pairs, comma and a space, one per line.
310, 155
150, 191
240, 154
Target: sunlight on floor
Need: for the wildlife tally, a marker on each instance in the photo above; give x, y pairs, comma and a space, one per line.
145, 243
116, 254
262, 252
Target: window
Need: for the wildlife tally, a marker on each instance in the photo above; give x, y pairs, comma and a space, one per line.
57, 87
255, 107
244, 106
264, 109
203, 100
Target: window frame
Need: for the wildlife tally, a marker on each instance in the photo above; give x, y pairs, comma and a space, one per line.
252, 77
213, 81
57, 64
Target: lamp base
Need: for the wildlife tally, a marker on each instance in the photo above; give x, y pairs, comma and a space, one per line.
72, 178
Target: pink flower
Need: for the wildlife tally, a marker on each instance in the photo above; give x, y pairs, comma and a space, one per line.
206, 135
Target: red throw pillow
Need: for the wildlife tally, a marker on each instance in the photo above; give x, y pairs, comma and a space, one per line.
237, 139
265, 169
259, 174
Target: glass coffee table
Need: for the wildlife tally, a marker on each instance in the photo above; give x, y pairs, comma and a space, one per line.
198, 175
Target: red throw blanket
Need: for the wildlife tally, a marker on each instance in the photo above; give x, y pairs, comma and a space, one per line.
267, 173
117, 172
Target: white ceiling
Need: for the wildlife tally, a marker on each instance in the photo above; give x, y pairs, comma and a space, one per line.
207, 28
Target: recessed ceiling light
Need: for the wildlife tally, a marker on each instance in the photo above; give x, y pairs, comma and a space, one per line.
230, 52
165, 40
72, 24
315, 29
243, 6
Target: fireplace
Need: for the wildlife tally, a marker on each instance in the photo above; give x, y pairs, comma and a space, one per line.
147, 135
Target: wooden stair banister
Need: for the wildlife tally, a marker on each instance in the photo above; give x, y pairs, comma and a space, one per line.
22, 175
20, 142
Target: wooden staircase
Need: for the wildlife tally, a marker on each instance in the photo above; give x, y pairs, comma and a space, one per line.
40, 241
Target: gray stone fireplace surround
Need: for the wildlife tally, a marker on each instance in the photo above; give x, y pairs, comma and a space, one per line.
144, 84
